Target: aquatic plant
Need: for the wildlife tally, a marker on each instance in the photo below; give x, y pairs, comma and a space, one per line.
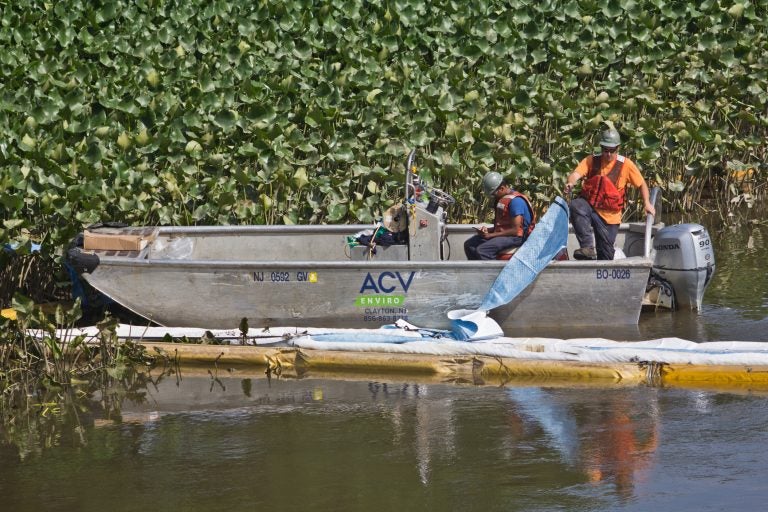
217, 112
47, 344
31, 274
154, 112
51, 378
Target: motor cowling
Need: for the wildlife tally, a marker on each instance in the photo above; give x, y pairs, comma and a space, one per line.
685, 258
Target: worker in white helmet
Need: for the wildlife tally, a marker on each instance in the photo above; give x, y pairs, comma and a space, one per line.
596, 213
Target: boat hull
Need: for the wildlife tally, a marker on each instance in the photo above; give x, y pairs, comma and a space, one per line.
365, 294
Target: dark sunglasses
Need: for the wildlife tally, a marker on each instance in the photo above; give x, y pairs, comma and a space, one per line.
609, 150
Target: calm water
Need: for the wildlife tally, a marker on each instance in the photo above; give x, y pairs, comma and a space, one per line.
736, 302
248, 444
242, 442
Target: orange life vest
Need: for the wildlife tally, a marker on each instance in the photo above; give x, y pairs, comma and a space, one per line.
503, 220
600, 191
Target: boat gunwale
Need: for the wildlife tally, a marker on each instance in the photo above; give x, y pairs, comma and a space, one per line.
238, 230
134, 261
142, 259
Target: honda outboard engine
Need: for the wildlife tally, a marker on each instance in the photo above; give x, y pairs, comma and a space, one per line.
685, 258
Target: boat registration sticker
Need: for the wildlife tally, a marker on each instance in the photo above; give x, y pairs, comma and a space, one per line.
285, 277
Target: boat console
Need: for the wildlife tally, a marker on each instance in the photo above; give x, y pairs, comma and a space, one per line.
427, 218
424, 208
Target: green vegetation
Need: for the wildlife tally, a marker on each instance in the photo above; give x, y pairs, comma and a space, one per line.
46, 342
302, 111
288, 111
52, 379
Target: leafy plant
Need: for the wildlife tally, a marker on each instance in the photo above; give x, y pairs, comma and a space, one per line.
215, 112
50, 376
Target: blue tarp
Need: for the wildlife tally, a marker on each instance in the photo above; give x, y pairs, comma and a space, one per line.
548, 238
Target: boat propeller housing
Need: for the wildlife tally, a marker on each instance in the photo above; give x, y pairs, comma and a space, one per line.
685, 258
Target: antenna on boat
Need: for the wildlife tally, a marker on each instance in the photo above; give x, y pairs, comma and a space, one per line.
409, 174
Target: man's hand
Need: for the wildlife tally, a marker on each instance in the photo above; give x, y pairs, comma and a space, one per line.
484, 232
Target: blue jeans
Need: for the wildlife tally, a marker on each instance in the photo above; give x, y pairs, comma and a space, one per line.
591, 230
478, 248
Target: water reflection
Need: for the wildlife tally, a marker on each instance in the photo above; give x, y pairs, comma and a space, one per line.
611, 440
37, 414
336, 444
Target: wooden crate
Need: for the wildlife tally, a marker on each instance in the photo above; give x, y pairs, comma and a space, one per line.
118, 239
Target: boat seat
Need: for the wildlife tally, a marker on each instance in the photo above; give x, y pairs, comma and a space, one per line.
506, 253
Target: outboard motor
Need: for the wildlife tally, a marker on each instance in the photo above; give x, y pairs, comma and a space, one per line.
685, 258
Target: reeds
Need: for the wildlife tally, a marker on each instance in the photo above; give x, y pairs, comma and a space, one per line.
53, 378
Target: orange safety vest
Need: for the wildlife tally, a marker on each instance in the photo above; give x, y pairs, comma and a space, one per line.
600, 190
503, 220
